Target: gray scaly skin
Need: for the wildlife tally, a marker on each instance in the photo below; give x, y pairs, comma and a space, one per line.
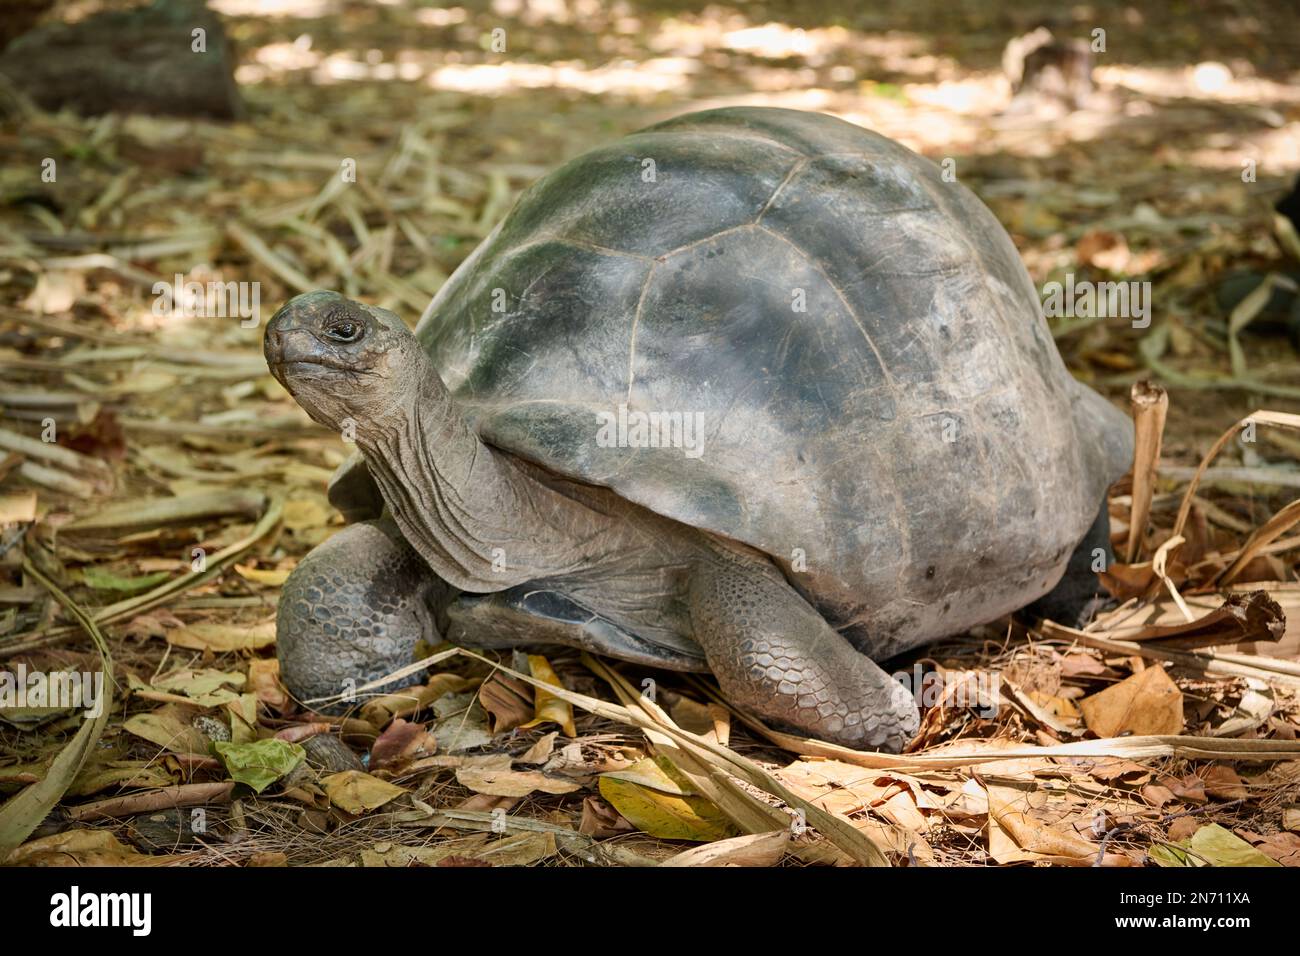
496, 535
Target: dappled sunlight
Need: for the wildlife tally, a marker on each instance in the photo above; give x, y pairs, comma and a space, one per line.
1208, 81
303, 9
662, 75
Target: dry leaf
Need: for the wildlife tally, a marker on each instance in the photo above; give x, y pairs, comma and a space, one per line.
548, 707
506, 701
500, 780
656, 803
87, 848
220, 638
401, 743
752, 849
1146, 703
600, 820
1222, 781
1015, 836
356, 792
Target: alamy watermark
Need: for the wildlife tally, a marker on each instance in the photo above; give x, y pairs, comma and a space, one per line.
1104, 300
980, 691
200, 300
71, 690
628, 429
76, 908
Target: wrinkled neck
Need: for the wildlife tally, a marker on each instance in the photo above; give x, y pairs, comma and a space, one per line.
477, 519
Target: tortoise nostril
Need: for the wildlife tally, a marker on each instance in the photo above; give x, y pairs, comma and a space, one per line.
274, 344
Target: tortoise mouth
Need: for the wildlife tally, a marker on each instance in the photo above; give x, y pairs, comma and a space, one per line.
299, 363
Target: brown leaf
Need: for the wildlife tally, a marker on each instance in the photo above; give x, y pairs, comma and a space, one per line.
401, 743
600, 820
1157, 796
1190, 788
1016, 836
1222, 781
1117, 769
507, 701
1283, 847
264, 679
503, 781
1183, 828
1146, 703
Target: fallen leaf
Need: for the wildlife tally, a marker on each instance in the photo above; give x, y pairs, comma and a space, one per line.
272, 577
1222, 781
1015, 836
1146, 703
498, 779
380, 711
656, 804
356, 792
261, 762
401, 743
541, 751
264, 678
524, 849
102, 580
600, 820
87, 848
170, 728
547, 707
1283, 848
268, 858
752, 849
220, 638
507, 701
1211, 845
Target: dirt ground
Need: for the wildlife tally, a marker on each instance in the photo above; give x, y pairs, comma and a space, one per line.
193, 484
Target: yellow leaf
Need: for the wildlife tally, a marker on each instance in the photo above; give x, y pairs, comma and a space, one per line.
656, 804
306, 513
356, 792
219, 638
272, 577
87, 848
546, 706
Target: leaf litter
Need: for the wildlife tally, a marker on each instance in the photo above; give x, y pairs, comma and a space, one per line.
153, 537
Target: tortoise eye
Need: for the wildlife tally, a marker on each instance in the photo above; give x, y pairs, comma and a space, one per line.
346, 331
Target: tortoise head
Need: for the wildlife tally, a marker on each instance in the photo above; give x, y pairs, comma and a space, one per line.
341, 360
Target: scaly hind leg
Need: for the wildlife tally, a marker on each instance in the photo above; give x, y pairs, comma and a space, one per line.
773, 654
352, 612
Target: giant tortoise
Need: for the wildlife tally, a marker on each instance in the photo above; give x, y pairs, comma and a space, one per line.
752, 391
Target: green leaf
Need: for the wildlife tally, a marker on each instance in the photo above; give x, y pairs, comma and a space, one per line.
23, 813
261, 762
1170, 854
1222, 847
102, 580
1211, 845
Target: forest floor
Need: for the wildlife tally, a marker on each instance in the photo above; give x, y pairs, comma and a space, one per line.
185, 484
